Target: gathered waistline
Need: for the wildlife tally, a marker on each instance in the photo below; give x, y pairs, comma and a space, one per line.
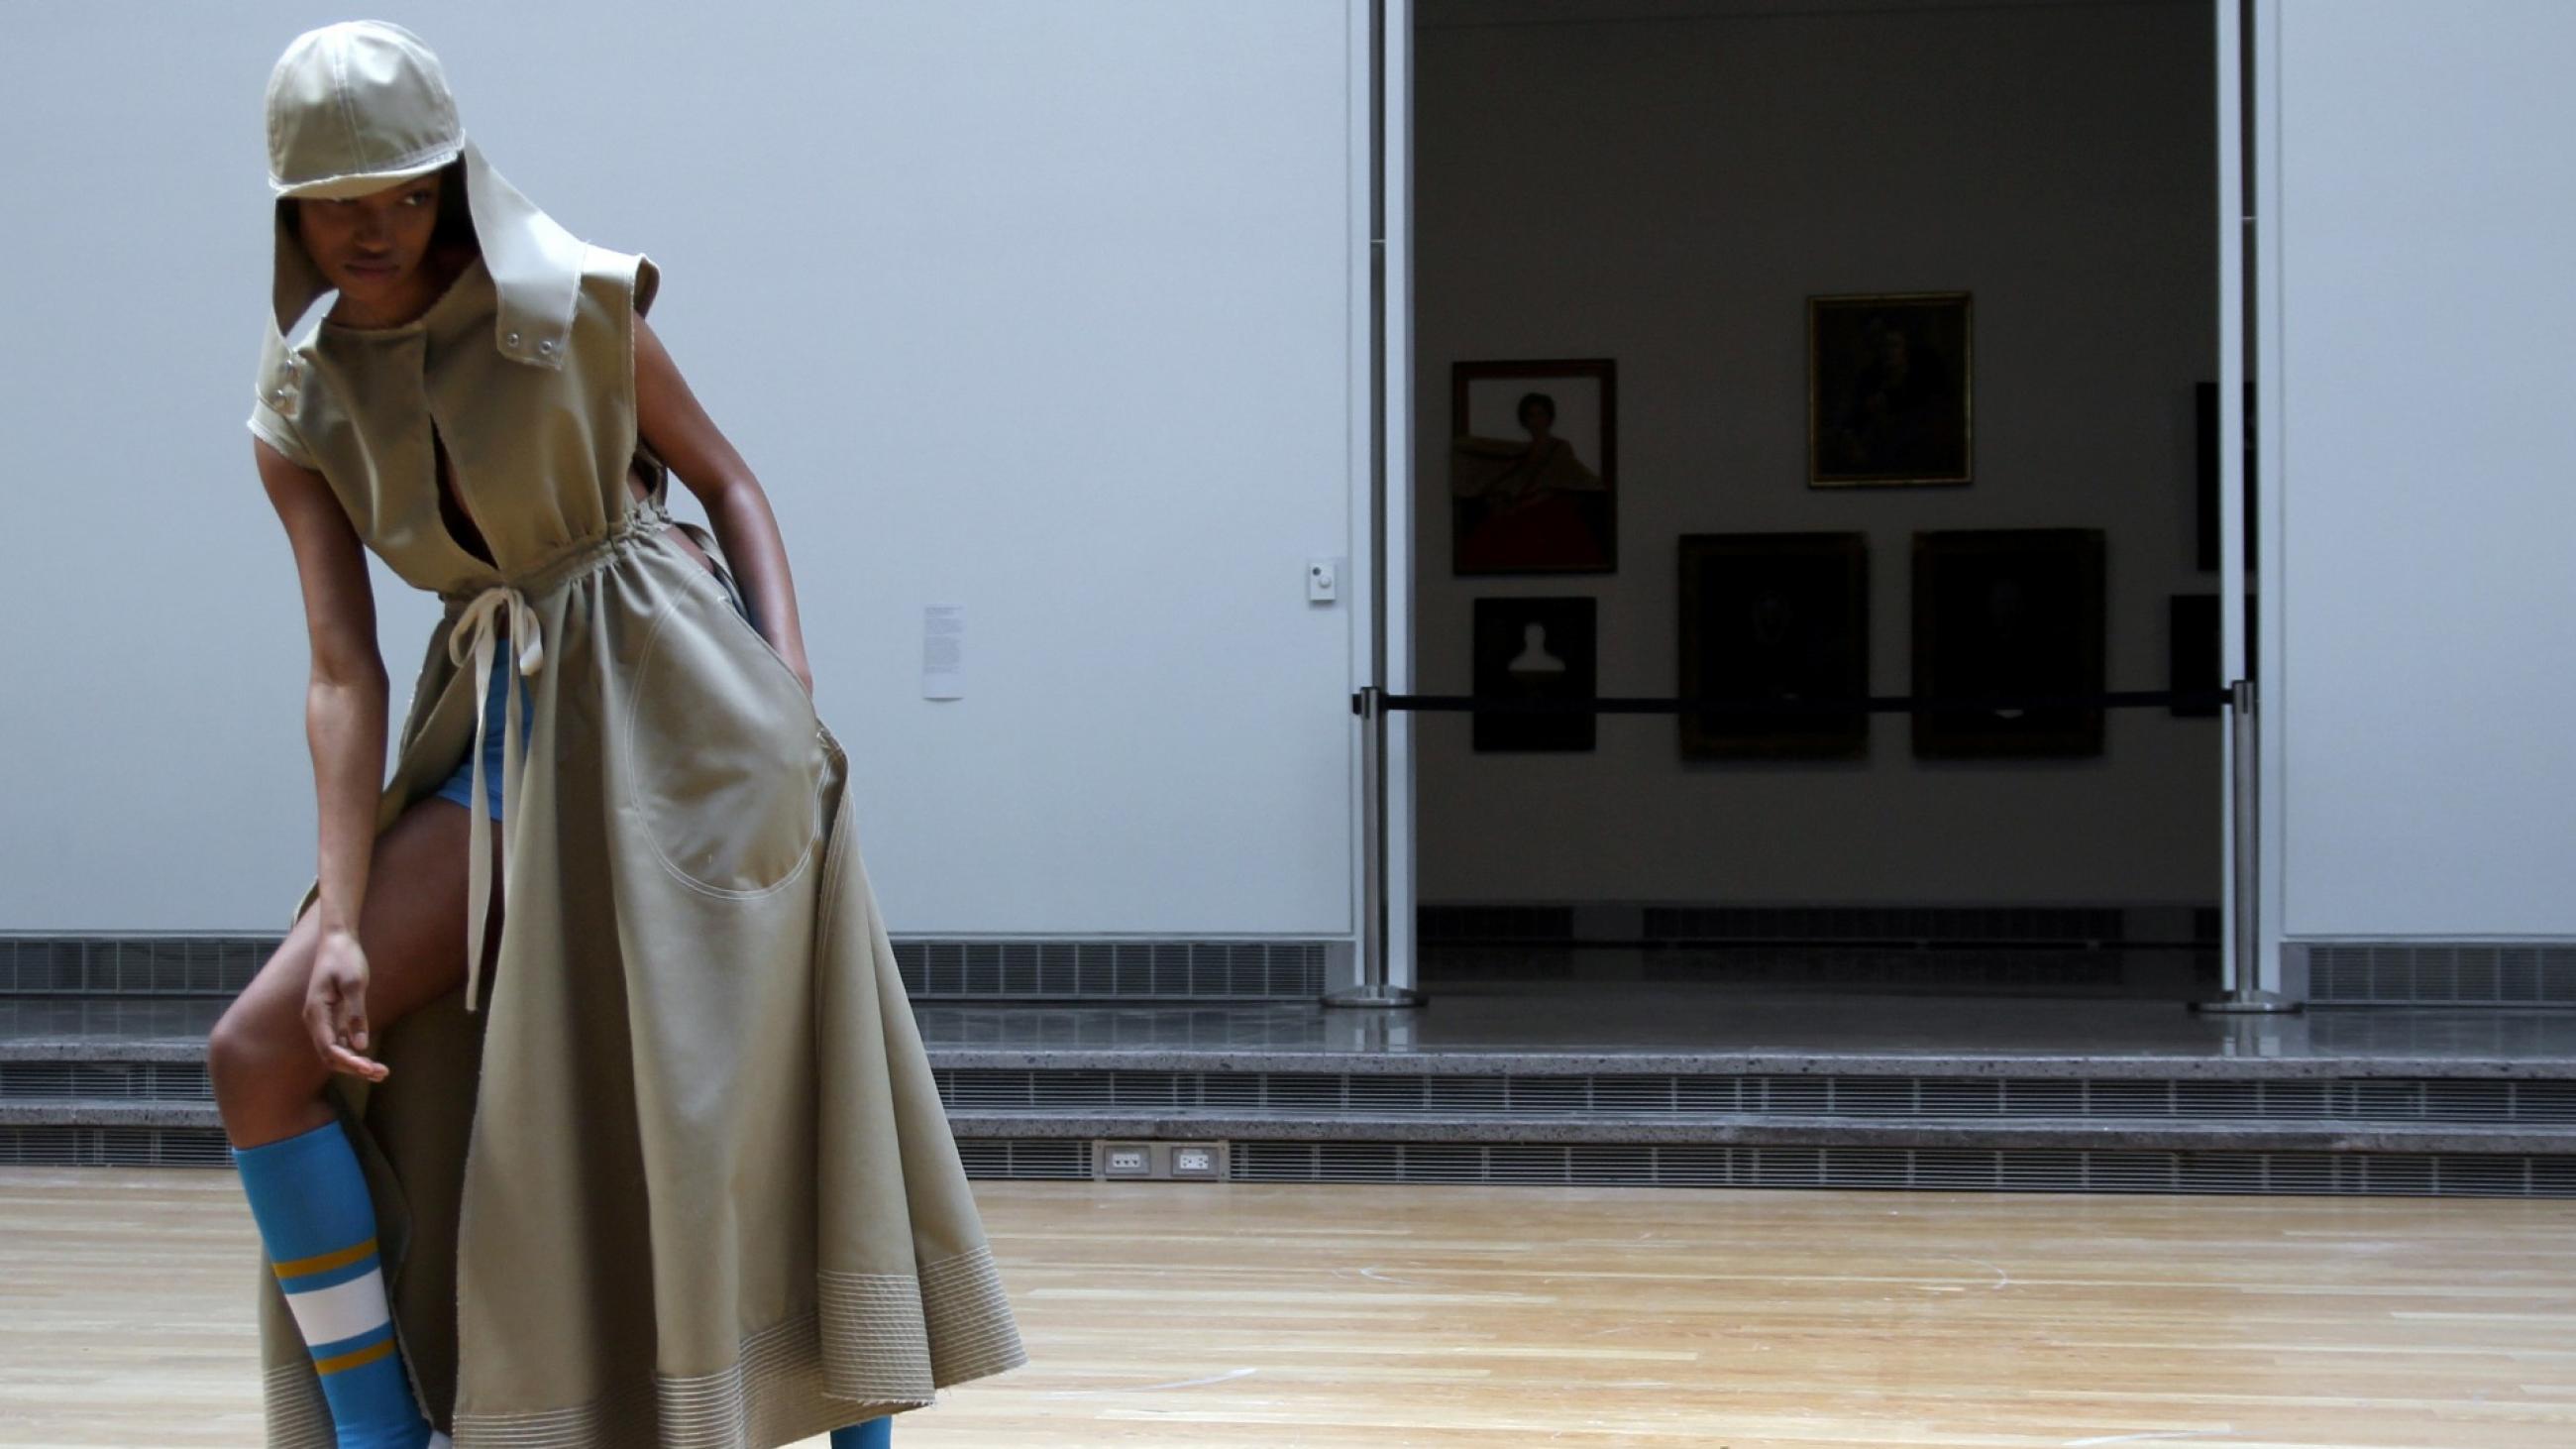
643, 520
479, 620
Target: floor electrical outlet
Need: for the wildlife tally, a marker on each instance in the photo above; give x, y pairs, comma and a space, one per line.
1157, 1161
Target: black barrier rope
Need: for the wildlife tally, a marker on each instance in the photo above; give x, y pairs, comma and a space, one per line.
2200, 699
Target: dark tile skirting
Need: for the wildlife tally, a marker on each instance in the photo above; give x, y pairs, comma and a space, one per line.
220, 965
2433, 973
1615, 1164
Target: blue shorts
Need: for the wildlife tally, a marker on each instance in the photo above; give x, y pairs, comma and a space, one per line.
496, 706
459, 786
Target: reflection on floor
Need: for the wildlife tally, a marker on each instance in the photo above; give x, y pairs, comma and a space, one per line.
1539, 1021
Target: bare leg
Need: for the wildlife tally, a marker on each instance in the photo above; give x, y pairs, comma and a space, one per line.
305, 1187
266, 1074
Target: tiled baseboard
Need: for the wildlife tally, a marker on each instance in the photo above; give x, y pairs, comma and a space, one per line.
96, 965
1272, 970
1607, 1165
137, 965
2438, 973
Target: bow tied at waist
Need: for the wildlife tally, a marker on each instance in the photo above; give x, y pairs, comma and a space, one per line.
475, 636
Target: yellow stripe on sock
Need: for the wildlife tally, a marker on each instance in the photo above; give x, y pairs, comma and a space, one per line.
324, 1262
354, 1358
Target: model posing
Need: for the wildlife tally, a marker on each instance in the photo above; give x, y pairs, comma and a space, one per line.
582, 1105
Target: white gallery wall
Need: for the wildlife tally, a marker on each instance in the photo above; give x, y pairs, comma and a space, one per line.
2415, 160
1664, 183
1047, 308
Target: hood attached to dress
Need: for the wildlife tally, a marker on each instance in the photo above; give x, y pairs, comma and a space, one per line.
362, 105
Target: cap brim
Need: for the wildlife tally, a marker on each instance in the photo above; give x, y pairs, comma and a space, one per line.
334, 188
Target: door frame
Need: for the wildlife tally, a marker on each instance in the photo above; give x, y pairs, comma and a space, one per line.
2248, 279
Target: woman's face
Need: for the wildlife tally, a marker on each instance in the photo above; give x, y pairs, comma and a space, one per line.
371, 246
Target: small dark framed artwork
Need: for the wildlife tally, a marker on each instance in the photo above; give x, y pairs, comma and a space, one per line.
1535, 649
2009, 614
2205, 407
2192, 653
1775, 618
1890, 390
1533, 467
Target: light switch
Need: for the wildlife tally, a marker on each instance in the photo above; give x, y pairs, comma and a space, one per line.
1323, 580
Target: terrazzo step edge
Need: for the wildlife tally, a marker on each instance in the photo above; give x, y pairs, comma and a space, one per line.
2065, 1134
1555, 1062
1772, 1131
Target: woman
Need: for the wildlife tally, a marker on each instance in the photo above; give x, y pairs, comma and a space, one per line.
714, 1200
1525, 504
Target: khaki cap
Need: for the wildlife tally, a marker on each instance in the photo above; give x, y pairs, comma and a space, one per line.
357, 107
362, 105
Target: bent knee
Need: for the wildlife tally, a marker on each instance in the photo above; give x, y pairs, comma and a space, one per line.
249, 1052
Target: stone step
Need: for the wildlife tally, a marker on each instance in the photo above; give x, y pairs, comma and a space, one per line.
1737, 1131
142, 1042
1594, 1165
1532, 1087
1934, 1134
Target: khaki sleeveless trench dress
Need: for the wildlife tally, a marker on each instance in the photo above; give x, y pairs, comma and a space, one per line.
679, 1176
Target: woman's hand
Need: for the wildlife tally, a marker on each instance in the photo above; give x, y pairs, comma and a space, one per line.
335, 1006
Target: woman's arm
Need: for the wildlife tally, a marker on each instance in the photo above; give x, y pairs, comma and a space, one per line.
344, 722
678, 430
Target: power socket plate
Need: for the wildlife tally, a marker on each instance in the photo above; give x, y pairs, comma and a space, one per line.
1116, 1161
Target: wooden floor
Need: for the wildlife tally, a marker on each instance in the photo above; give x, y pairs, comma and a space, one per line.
1278, 1316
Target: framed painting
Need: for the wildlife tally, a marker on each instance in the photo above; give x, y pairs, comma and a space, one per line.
1890, 390
1776, 618
1535, 649
2009, 614
2192, 652
2205, 413
1533, 467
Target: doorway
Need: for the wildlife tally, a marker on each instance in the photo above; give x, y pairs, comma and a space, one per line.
1655, 257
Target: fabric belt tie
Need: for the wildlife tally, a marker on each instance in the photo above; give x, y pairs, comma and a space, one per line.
482, 621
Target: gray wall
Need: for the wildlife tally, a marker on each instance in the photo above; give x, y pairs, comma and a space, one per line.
1047, 309
1666, 190
2425, 529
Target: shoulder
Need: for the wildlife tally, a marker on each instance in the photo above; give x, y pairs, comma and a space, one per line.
277, 397
619, 282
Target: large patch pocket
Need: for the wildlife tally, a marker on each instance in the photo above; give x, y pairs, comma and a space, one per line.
725, 749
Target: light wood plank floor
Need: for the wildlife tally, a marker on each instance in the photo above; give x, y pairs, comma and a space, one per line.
1453, 1317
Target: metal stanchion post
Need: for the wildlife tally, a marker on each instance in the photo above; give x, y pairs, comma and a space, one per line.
2245, 995
1373, 989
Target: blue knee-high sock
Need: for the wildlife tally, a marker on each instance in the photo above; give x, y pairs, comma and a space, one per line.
310, 1201
874, 1434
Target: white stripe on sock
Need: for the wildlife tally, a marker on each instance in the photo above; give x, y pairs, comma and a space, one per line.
343, 1310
